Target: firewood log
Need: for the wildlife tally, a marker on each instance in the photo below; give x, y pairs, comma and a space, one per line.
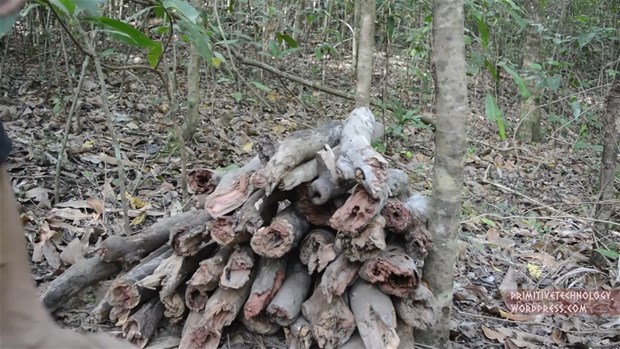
299, 147
417, 309
140, 327
318, 215
299, 334
327, 186
271, 273
402, 217
393, 271
186, 241
304, 172
222, 232
259, 324
85, 272
174, 305
119, 315
317, 250
206, 278
283, 234
338, 275
286, 304
405, 334
359, 209
332, 323
368, 244
374, 315
133, 248
355, 342
258, 210
239, 268
203, 180
418, 242
398, 183
232, 191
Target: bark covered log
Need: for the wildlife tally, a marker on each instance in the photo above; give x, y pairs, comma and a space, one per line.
317, 250
332, 323
203, 180
85, 272
338, 275
232, 191
366, 245
374, 315
417, 309
393, 271
303, 173
140, 327
257, 211
283, 234
174, 305
359, 209
186, 241
328, 185
119, 315
299, 147
239, 268
220, 311
206, 278
271, 273
133, 248
286, 304
355, 342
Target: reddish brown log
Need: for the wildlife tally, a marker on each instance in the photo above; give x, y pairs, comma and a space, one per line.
125, 290
299, 334
268, 281
203, 180
417, 309
119, 315
257, 211
133, 248
365, 245
206, 279
141, 326
85, 272
222, 232
357, 212
232, 191
318, 215
398, 218
283, 234
332, 322
374, 315
220, 311
286, 305
238, 270
186, 241
338, 275
393, 271
299, 147
260, 324
317, 250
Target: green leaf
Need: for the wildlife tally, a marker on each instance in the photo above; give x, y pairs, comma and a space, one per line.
380, 147
260, 86
585, 39
286, 38
66, 6
6, 23
184, 8
493, 113
521, 23
483, 30
608, 253
492, 70
198, 37
390, 26
124, 32
525, 93
488, 222
155, 53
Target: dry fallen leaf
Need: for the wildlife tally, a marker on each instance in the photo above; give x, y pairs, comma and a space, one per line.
69, 214
492, 334
40, 195
73, 252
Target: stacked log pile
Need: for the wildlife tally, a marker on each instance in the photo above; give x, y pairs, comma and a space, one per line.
316, 237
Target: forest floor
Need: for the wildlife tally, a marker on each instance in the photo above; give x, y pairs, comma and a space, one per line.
527, 209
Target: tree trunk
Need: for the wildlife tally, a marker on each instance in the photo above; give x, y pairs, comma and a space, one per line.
529, 130
193, 88
450, 145
299, 19
365, 52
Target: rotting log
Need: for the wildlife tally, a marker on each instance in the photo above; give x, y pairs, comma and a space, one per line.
366, 245
203, 180
299, 147
134, 248
358, 160
338, 275
332, 323
85, 272
283, 234
327, 186
174, 305
259, 324
359, 209
374, 315
405, 334
140, 326
222, 232
299, 334
317, 250
125, 291
220, 311
318, 215
393, 271
303, 173
286, 304
416, 309
418, 243
239, 268
206, 279
186, 241
398, 218
356, 342
398, 183
119, 315
232, 191
271, 273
